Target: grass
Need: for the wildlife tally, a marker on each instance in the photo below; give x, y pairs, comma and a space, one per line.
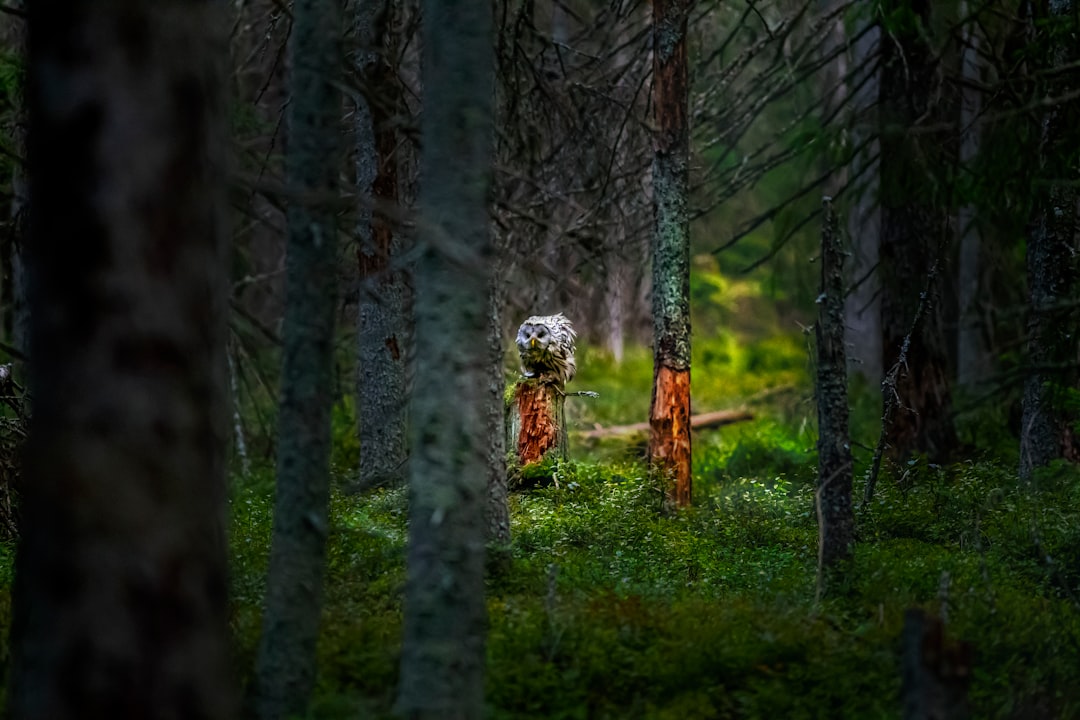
612, 610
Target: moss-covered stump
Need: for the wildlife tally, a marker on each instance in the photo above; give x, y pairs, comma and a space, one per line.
536, 429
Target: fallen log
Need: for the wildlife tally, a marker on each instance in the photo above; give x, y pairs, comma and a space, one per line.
703, 421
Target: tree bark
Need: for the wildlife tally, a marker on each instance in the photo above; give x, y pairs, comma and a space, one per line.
498, 507
537, 423
442, 654
1046, 431
384, 316
862, 308
913, 226
120, 604
972, 359
669, 414
285, 664
836, 521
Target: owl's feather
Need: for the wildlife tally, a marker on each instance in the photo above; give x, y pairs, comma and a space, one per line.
546, 346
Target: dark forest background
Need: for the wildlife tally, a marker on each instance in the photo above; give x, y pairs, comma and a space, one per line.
259, 283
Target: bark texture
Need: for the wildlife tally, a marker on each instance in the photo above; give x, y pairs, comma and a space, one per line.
120, 602
862, 310
537, 424
498, 507
1046, 432
442, 654
836, 521
973, 364
669, 414
285, 665
913, 229
385, 302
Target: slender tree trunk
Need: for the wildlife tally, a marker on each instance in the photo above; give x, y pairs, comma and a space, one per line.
913, 227
669, 415
862, 308
836, 522
972, 361
1046, 431
120, 606
385, 298
285, 665
442, 654
498, 508
13, 276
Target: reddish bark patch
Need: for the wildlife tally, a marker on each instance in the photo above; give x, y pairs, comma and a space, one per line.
669, 440
537, 404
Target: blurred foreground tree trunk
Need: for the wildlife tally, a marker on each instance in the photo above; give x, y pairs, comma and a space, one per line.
913, 227
442, 654
973, 362
285, 665
120, 606
836, 521
936, 670
384, 314
1047, 425
669, 414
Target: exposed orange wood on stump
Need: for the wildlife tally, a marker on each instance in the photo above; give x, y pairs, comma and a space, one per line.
536, 421
669, 441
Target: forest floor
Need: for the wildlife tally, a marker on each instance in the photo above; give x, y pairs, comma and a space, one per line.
612, 610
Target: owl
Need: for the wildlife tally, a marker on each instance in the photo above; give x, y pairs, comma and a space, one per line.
546, 346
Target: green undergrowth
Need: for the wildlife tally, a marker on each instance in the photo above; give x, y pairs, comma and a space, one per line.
612, 609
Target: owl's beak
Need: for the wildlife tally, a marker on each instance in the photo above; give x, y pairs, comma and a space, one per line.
532, 343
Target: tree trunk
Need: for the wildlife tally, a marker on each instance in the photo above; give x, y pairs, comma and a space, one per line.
862, 307
669, 414
498, 508
442, 654
537, 421
913, 227
285, 665
836, 522
936, 671
972, 361
120, 604
384, 314
1046, 431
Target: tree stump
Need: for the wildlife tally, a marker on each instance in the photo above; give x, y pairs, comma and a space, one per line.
536, 423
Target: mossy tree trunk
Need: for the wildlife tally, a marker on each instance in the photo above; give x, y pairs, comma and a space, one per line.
913, 223
285, 664
669, 413
498, 508
442, 653
836, 522
120, 601
385, 298
1046, 428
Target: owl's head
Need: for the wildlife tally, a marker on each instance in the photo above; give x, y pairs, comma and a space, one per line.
533, 337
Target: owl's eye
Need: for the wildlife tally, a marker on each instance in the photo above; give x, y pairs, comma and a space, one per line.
542, 333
